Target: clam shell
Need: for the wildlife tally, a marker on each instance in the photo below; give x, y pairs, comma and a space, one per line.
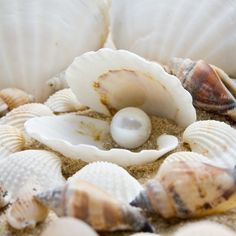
110, 178
40, 165
160, 30
44, 46
122, 79
64, 101
4, 196
81, 137
213, 139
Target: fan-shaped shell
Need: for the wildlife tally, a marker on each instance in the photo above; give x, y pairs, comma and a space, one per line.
110, 178
160, 30
36, 39
122, 79
213, 139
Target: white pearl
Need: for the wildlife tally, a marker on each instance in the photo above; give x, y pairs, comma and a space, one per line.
130, 127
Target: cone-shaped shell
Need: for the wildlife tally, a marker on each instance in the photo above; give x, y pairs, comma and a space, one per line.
85, 201
111, 178
189, 189
122, 79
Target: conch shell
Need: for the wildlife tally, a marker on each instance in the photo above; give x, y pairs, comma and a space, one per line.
189, 189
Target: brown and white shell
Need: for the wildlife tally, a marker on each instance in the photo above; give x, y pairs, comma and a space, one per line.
4, 196
3, 107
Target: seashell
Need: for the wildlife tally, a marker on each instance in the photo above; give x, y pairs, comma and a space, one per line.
84, 138
4, 196
213, 139
68, 226
189, 188
3, 108
85, 201
122, 79
18, 116
161, 30
58, 82
44, 47
25, 210
204, 228
111, 178
64, 101
211, 88
42, 166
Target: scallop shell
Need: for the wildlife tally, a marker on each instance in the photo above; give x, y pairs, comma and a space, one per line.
64, 101
85, 201
58, 82
110, 178
122, 79
84, 138
44, 46
160, 30
25, 210
213, 139
4, 196
40, 165
189, 188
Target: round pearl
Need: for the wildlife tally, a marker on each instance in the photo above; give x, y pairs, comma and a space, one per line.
130, 127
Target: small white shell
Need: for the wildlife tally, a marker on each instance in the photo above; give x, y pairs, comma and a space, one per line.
213, 139
58, 82
64, 101
110, 178
122, 79
81, 137
40, 165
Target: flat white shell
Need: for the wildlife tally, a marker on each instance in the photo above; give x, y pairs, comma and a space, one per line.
81, 137
122, 79
213, 139
111, 178
39, 39
160, 30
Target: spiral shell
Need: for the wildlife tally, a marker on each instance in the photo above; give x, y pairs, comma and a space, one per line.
57, 82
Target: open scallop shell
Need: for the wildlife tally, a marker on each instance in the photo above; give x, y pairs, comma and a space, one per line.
40, 39
160, 30
40, 165
213, 139
81, 137
110, 178
122, 79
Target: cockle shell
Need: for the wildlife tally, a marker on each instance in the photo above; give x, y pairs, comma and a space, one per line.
189, 188
40, 165
213, 139
84, 138
212, 90
25, 211
64, 101
85, 201
36, 42
110, 178
4, 196
58, 82
122, 79
160, 30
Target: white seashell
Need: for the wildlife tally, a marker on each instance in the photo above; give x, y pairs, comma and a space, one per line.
213, 139
58, 82
40, 39
4, 196
130, 127
122, 79
81, 137
42, 166
26, 211
18, 116
110, 178
64, 101
160, 30
65, 226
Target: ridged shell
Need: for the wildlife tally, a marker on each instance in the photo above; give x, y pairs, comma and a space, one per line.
85, 201
44, 46
122, 79
110, 178
4, 196
189, 188
64, 101
160, 30
213, 139
84, 138
57, 82
18, 168
25, 211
